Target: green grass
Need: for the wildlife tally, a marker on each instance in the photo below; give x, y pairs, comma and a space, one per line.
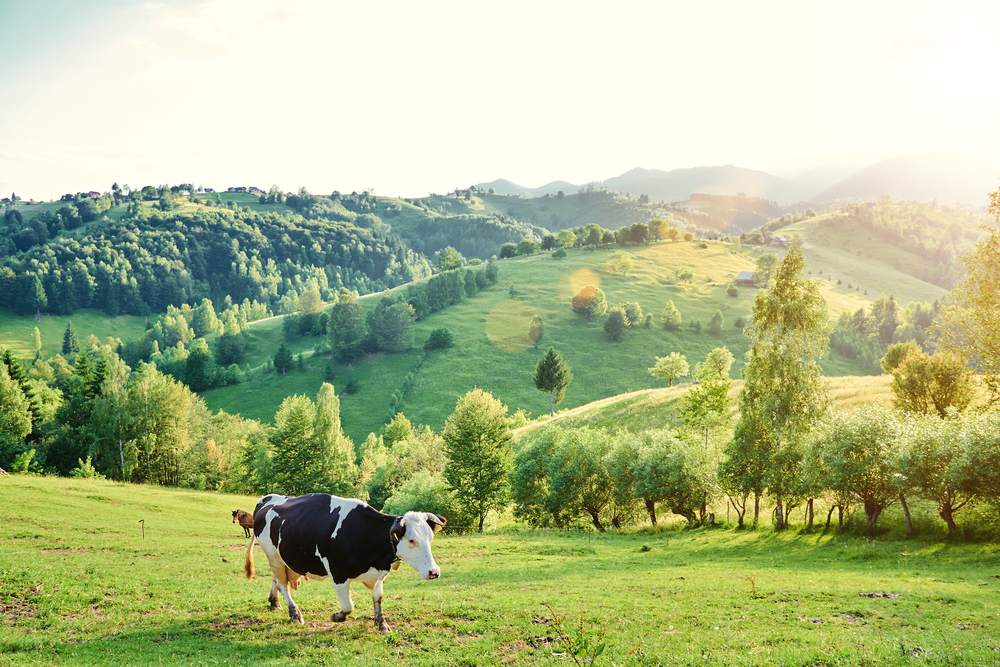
16, 330
80, 585
601, 368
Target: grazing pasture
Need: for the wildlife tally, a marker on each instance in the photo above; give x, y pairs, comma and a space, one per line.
82, 584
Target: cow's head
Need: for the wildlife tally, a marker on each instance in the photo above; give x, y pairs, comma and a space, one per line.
412, 534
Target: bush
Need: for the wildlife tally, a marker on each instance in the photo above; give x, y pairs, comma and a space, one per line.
424, 492
439, 339
739, 323
731, 290
559, 254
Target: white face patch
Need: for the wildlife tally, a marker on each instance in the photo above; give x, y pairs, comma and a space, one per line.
415, 546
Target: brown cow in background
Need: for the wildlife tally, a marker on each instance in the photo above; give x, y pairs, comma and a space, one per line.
245, 520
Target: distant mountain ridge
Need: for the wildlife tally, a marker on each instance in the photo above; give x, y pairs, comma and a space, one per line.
948, 176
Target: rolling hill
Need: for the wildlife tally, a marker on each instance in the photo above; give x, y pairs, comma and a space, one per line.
601, 368
947, 176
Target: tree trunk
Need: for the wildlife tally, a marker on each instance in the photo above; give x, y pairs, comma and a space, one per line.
756, 509
552, 412
651, 508
779, 515
482, 518
948, 515
616, 522
840, 516
906, 512
829, 515
809, 505
597, 522
872, 510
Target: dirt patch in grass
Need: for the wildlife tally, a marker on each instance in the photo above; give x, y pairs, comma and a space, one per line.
236, 623
19, 606
76, 550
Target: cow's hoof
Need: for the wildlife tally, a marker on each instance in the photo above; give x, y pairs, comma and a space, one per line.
296, 616
339, 617
275, 606
384, 628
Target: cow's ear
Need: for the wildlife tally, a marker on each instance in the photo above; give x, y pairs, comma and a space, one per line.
398, 529
436, 521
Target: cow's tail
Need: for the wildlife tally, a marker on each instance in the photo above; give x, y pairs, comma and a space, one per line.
248, 561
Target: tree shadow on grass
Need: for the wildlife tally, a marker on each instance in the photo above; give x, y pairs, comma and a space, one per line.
226, 640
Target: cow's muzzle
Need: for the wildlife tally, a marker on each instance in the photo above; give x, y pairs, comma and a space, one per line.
434, 574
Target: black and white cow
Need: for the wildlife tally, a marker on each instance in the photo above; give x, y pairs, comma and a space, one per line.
317, 536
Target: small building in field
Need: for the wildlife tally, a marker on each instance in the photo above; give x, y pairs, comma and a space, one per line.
93, 194
744, 278
779, 241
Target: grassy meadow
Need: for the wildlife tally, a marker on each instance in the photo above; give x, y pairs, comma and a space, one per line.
489, 354
16, 330
82, 584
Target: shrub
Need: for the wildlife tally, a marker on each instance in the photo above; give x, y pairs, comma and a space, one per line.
731, 290
559, 253
424, 492
439, 339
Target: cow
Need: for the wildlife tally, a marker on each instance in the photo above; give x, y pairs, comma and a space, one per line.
318, 536
245, 520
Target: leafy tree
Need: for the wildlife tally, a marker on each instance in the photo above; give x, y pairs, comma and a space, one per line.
657, 229
896, 353
765, 267
632, 311
674, 472
671, 317
526, 247
552, 376
283, 359
231, 345
335, 471
783, 393
425, 492
15, 410
347, 326
706, 405
937, 463
394, 329
590, 302
715, 324
492, 270
968, 323
449, 259
294, 457
670, 368
617, 324
397, 430
204, 320
566, 238
477, 444
932, 384
549, 242
619, 262
857, 454
199, 373
470, 283
310, 308
439, 339
70, 344
885, 316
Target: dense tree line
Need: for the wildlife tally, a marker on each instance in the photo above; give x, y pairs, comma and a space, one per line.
152, 259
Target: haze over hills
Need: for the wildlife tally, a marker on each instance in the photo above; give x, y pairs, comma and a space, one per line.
948, 176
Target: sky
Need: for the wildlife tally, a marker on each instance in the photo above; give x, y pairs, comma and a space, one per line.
408, 98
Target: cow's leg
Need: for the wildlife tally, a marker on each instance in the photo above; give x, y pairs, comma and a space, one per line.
273, 597
281, 581
376, 589
346, 604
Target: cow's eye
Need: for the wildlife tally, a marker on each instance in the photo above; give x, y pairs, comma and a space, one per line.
413, 543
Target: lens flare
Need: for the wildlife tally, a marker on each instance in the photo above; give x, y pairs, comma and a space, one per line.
571, 284
512, 326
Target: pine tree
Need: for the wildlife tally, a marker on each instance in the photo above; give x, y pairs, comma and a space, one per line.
671, 317
70, 344
283, 359
552, 376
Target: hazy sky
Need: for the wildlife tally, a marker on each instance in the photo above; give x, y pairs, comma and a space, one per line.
412, 97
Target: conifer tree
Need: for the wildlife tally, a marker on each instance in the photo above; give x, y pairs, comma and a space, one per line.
552, 376
70, 344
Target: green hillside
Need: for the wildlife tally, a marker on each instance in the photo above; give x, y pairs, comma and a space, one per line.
546, 286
